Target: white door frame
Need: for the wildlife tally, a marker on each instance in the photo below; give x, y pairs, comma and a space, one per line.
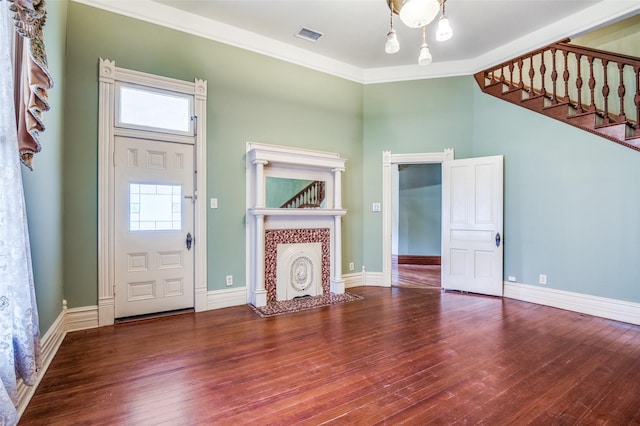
390, 163
109, 75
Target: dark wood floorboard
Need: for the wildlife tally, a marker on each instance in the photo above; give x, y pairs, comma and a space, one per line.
400, 356
415, 276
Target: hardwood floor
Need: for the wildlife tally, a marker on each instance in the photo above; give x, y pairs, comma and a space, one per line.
415, 276
401, 355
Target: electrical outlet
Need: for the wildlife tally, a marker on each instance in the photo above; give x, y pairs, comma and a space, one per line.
542, 279
229, 280
352, 266
511, 278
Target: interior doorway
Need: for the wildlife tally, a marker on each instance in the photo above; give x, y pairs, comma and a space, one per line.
472, 219
390, 180
417, 225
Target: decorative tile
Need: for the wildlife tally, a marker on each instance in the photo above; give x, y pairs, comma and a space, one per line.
304, 303
273, 237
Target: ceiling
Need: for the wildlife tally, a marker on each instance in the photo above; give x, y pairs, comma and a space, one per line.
354, 31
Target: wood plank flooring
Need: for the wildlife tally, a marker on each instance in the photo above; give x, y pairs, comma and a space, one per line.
402, 355
415, 276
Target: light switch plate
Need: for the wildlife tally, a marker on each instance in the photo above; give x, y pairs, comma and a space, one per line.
214, 203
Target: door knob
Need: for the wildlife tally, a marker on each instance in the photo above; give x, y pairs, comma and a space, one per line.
189, 241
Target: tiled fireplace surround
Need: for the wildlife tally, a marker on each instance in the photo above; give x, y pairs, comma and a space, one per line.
275, 237
270, 227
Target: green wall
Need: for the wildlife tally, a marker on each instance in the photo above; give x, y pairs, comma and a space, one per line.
571, 201
420, 209
251, 97
409, 117
622, 37
569, 197
43, 187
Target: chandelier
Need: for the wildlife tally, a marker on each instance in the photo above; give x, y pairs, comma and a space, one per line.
418, 14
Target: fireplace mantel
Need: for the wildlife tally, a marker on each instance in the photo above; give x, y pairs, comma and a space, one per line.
271, 160
297, 212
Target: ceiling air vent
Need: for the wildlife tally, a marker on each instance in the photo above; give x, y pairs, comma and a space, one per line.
307, 34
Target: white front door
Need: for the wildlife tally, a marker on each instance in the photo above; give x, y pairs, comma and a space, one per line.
472, 219
153, 217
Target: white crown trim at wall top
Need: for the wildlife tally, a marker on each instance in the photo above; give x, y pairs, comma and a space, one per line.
598, 15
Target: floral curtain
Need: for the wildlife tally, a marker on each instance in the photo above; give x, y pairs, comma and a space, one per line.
19, 333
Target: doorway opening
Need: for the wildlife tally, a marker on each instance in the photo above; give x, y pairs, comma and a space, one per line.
391, 164
417, 226
472, 219
151, 169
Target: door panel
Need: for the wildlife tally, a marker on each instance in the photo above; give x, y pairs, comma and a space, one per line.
153, 215
472, 216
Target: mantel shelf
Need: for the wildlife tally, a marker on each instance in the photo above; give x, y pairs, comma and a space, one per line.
297, 212
280, 156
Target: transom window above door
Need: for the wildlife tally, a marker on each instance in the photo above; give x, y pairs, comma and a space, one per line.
144, 108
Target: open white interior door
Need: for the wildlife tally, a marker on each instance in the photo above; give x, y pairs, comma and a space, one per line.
472, 220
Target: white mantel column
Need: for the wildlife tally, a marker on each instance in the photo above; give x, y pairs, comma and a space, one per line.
337, 188
259, 184
258, 292
337, 283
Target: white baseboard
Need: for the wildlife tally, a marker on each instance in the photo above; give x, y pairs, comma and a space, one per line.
373, 279
614, 309
227, 297
352, 280
364, 278
87, 316
82, 318
49, 345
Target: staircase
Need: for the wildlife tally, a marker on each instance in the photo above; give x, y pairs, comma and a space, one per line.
551, 81
309, 197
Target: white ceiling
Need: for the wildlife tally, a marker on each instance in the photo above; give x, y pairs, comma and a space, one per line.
485, 31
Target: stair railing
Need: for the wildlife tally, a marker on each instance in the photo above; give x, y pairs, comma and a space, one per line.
558, 72
310, 196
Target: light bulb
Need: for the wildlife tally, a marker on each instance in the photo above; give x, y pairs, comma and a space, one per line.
418, 13
392, 45
425, 57
444, 31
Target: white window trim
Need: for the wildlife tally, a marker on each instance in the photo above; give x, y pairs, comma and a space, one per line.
109, 75
123, 125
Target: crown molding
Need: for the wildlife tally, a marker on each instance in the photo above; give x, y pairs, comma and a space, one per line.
418, 72
160, 14
596, 16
